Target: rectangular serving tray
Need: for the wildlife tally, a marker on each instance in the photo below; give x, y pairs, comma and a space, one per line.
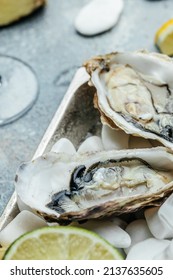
75, 119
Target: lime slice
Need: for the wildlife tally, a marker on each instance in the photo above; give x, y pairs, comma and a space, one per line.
164, 38
61, 243
2, 251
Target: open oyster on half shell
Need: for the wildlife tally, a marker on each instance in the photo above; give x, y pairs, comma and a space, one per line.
63, 188
134, 91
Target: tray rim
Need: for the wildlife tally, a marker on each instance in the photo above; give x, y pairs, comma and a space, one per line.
80, 77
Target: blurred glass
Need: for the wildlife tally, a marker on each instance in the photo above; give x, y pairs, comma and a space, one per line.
18, 88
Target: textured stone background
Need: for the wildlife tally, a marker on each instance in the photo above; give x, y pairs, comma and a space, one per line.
48, 42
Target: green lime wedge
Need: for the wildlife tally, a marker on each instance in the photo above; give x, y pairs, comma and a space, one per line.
61, 243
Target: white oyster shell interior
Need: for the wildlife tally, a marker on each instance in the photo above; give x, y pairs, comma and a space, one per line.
135, 93
55, 184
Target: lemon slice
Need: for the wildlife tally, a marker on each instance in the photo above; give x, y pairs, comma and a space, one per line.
61, 243
11, 10
164, 38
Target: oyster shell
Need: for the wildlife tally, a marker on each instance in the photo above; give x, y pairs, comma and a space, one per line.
134, 91
63, 188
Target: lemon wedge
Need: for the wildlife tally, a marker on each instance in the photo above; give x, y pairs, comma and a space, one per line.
61, 243
164, 38
11, 10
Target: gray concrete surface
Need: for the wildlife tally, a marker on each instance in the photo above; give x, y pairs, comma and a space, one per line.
48, 42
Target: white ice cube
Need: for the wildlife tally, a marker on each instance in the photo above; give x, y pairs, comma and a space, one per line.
138, 231
63, 145
90, 145
98, 16
25, 221
148, 249
159, 219
114, 139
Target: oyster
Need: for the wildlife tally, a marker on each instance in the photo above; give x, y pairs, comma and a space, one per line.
63, 188
134, 91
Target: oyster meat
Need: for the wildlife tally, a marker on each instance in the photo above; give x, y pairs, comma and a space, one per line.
134, 91
63, 188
